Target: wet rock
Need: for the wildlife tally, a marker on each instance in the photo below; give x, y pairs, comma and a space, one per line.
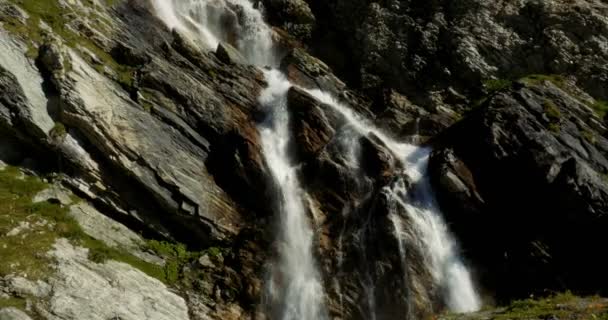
309, 122
228, 54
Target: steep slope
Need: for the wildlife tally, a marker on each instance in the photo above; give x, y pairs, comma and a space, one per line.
166, 132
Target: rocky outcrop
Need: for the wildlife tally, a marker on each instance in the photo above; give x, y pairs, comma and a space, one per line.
521, 180
422, 48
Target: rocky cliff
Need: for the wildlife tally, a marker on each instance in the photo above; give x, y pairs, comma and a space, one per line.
132, 168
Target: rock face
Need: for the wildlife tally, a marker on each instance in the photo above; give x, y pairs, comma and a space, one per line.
417, 47
159, 138
522, 179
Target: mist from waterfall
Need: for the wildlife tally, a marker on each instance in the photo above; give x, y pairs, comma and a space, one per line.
294, 288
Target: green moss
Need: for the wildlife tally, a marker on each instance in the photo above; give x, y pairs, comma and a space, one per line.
600, 107
46, 222
13, 302
535, 79
589, 136
59, 131
100, 253
551, 110
22, 252
558, 306
494, 85
58, 18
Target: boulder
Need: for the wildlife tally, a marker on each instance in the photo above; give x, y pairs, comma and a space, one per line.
228, 54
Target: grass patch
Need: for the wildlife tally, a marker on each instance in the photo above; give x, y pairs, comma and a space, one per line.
23, 252
58, 131
536, 79
58, 17
41, 224
558, 306
13, 302
494, 85
600, 107
176, 258
562, 305
553, 114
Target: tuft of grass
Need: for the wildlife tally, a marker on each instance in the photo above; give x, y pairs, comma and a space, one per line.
600, 107
494, 85
553, 114
535, 79
58, 131
13, 302
176, 258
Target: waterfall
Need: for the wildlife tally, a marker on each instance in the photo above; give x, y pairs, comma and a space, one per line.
294, 286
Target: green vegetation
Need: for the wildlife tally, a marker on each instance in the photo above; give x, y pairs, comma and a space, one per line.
27, 233
494, 85
559, 306
600, 107
59, 131
57, 18
535, 79
563, 306
176, 257
13, 302
589, 136
34, 228
553, 114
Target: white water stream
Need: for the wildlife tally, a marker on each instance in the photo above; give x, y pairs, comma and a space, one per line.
294, 287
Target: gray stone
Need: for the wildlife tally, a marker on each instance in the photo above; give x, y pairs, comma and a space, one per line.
119, 290
13, 314
228, 54
54, 193
110, 232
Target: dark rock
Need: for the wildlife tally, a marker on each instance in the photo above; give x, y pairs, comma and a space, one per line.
129, 56
526, 169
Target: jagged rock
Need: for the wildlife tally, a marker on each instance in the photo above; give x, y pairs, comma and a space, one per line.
294, 16
309, 122
22, 101
417, 46
129, 56
527, 168
228, 54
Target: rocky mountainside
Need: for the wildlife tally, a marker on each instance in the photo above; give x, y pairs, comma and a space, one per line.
134, 184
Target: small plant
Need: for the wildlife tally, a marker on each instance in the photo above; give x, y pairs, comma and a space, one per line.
600, 107
553, 114
99, 255
589, 136
494, 85
58, 132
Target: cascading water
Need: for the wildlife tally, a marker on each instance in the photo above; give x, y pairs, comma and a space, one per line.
447, 268
295, 281
294, 287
